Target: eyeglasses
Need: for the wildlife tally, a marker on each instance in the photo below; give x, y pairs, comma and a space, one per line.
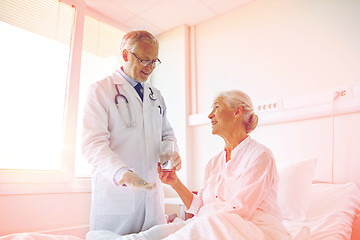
154, 63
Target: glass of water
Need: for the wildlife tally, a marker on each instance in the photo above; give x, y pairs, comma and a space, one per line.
166, 151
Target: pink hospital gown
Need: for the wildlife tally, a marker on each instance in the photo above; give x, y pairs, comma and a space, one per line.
245, 183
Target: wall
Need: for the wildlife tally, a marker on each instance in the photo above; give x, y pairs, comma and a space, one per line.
290, 47
57, 213
171, 78
278, 49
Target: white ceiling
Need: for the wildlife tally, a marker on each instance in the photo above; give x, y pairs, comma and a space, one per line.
159, 16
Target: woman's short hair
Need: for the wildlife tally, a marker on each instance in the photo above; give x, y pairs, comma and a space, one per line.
237, 98
131, 39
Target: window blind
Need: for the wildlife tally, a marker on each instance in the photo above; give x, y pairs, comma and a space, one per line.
49, 18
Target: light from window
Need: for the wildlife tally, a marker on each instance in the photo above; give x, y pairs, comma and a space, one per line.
34, 47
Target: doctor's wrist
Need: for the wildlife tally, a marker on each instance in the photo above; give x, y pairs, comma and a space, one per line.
120, 174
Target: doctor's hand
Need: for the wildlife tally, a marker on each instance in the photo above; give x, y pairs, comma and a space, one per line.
132, 180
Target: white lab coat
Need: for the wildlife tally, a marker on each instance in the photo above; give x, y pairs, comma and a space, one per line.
109, 145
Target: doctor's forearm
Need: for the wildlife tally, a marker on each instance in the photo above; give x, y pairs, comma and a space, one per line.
184, 193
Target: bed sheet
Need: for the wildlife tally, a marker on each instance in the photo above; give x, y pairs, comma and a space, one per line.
37, 236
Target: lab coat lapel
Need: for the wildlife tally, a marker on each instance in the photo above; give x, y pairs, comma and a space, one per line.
146, 102
147, 114
146, 94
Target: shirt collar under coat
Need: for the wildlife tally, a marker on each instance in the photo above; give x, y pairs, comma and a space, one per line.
118, 78
129, 79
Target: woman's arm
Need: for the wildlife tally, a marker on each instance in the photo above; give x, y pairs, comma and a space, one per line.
171, 179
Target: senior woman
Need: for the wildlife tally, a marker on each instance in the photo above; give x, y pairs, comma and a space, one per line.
238, 196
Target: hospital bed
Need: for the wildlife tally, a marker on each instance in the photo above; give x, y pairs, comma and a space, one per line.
330, 211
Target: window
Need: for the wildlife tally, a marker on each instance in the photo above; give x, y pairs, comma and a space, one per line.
100, 57
35, 46
41, 97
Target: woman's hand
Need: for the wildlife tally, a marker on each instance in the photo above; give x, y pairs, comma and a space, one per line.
169, 178
172, 179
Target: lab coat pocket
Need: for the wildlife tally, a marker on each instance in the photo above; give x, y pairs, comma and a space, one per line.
120, 202
156, 114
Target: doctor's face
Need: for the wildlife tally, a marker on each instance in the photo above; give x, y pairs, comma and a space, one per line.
133, 68
222, 118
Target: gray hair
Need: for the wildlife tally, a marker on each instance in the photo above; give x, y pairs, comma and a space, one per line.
131, 39
237, 98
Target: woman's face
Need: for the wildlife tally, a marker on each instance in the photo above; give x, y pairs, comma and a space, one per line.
222, 118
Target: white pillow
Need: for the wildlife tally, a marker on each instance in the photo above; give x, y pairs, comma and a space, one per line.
332, 210
295, 181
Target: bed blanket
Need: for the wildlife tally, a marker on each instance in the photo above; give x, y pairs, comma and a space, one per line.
215, 226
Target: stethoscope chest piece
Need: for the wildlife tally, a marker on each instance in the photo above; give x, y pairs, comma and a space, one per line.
151, 95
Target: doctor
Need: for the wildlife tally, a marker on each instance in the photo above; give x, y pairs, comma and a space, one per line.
124, 123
